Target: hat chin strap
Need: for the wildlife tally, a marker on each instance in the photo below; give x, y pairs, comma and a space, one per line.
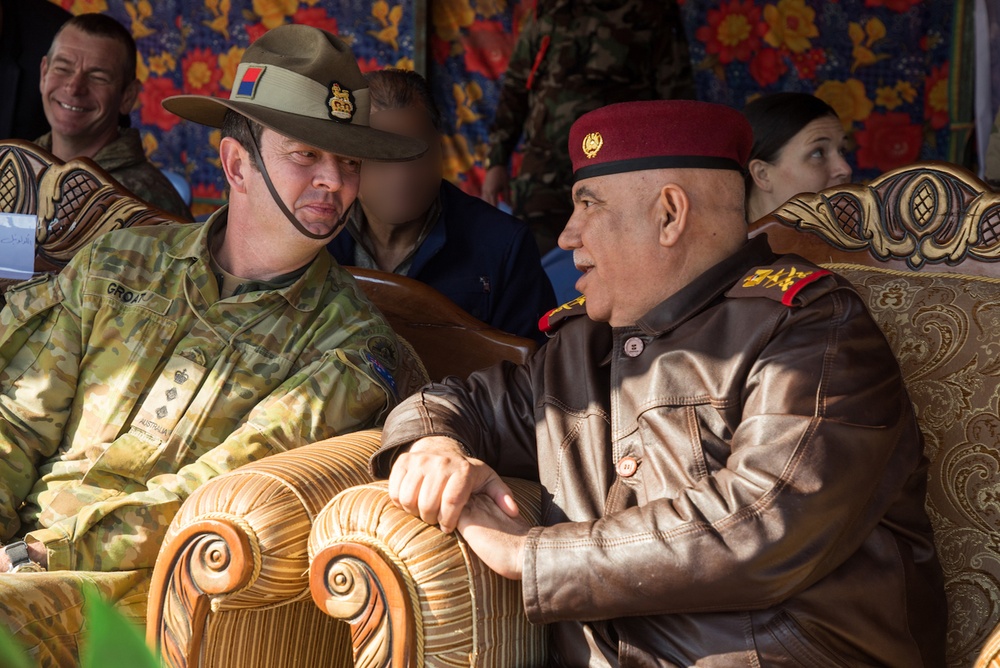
259, 159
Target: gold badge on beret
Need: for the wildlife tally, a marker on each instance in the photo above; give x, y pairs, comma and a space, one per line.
340, 103
592, 143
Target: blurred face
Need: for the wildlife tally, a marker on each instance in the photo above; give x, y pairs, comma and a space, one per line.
317, 186
399, 192
82, 85
614, 237
811, 161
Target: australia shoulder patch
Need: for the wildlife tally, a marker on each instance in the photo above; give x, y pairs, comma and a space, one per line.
784, 281
552, 320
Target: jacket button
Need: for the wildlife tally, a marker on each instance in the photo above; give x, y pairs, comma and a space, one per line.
627, 467
634, 346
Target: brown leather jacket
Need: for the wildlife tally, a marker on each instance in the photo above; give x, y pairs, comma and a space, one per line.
732, 482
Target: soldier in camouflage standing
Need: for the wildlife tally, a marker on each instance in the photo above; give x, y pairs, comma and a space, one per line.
574, 56
164, 356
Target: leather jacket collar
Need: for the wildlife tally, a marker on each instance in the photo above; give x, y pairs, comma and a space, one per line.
709, 286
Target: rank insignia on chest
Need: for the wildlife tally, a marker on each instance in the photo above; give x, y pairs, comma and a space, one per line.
780, 282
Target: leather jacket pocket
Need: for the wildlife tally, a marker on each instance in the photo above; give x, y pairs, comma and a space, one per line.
783, 642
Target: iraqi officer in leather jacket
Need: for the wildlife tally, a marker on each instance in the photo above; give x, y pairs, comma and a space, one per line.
731, 470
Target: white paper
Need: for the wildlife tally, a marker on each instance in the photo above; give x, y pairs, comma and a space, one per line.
17, 245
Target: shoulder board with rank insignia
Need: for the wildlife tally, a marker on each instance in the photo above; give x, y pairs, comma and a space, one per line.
782, 281
552, 320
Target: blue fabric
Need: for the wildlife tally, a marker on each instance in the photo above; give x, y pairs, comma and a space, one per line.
484, 260
562, 273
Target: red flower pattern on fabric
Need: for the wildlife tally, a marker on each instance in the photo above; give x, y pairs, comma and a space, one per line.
734, 31
888, 141
151, 112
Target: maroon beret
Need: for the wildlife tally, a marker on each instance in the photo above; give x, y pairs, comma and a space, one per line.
659, 134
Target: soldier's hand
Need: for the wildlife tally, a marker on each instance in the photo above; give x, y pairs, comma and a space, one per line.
435, 479
496, 185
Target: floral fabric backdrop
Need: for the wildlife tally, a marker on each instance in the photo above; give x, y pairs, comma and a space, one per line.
882, 64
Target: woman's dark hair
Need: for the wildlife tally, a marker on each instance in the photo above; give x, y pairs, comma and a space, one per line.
777, 118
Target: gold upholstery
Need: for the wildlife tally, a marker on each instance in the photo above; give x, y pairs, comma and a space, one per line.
890, 238
945, 332
424, 589
235, 559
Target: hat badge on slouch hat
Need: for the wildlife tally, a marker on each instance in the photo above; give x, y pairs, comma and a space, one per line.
659, 134
341, 105
303, 83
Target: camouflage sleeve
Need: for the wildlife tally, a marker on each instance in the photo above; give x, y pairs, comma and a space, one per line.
348, 388
39, 358
512, 108
672, 60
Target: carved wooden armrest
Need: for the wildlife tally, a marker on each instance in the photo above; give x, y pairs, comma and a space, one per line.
240, 540
412, 595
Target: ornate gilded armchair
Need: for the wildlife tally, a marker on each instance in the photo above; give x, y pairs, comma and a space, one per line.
891, 239
369, 565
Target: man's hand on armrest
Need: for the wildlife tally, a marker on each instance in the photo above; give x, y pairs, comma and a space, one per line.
434, 480
496, 538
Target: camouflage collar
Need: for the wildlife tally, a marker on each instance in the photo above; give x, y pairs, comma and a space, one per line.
305, 294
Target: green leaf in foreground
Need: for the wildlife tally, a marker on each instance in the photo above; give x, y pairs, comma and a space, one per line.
11, 654
111, 640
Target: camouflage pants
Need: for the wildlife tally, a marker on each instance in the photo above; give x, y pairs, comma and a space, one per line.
45, 611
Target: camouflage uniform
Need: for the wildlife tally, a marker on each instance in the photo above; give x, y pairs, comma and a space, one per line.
125, 383
125, 160
570, 58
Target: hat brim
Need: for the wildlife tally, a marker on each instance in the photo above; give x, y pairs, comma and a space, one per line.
356, 141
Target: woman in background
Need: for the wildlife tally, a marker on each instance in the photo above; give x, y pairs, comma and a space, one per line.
798, 147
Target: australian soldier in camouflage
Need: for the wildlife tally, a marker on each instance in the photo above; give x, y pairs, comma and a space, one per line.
570, 58
161, 357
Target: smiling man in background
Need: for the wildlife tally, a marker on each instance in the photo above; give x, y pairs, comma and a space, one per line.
88, 89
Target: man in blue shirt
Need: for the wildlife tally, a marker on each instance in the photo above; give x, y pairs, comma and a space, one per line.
408, 220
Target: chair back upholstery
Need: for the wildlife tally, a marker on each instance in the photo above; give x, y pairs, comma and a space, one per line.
944, 328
